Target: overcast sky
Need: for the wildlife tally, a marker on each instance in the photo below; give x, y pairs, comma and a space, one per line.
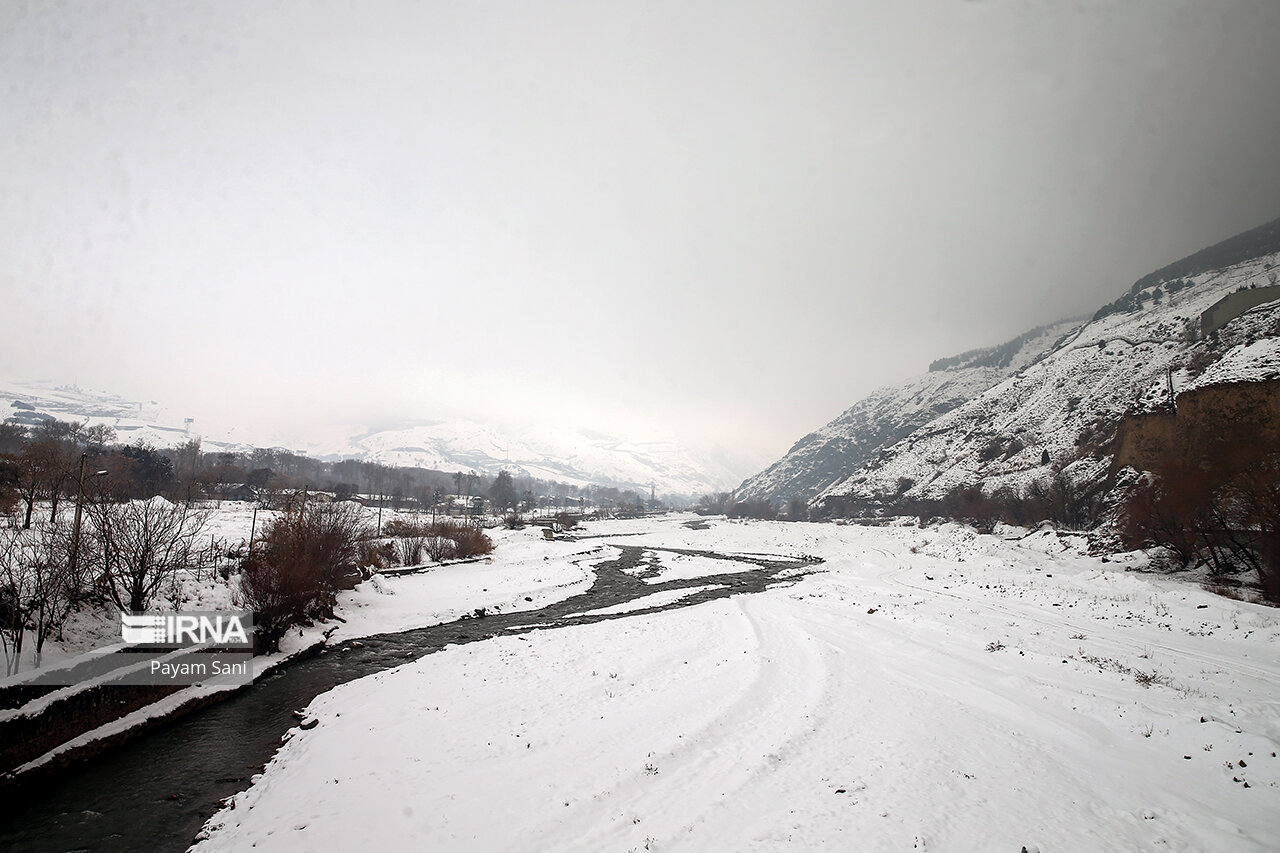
725, 220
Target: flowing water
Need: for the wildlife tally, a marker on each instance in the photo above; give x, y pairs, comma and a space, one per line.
154, 793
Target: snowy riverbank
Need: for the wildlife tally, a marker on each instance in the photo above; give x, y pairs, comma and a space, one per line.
926, 688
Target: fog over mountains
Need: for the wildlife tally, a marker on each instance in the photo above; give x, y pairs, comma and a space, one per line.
570, 456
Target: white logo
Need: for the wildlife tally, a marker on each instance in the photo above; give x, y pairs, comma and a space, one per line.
177, 629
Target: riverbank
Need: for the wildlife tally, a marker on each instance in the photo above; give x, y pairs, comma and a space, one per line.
923, 689
527, 573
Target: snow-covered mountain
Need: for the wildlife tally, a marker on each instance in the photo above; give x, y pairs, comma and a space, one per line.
569, 456
826, 456
1054, 398
29, 402
1067, 406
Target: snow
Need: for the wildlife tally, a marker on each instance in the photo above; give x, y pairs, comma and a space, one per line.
1113, 365
922, 689
526, 573
652, 600
571, 456
523, 567
575, 457
663, 567
827, 455
1251, 362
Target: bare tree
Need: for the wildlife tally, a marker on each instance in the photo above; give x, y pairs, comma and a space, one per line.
140, 544
42, 466
14, 587
35, 590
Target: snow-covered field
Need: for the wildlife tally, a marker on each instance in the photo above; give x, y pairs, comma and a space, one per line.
924, 689
524, 578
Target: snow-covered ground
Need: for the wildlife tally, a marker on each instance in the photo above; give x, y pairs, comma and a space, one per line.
924, 689
521, 576
526, 573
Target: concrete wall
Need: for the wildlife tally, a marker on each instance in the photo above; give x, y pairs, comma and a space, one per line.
1233, 305
24, 737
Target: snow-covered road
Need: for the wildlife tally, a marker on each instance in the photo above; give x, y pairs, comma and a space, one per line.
924, 689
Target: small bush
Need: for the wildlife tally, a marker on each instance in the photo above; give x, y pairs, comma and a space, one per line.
472, 542
297, 566
376, 555
440, 548
411, 549
399, 528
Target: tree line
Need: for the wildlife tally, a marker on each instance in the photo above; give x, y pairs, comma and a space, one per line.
88, 521
41, 464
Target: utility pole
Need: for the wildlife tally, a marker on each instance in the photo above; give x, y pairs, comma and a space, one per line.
75, 528
253, 526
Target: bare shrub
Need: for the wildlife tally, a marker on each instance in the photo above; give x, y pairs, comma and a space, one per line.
400, 528
440, 548
472, 542
1224, 517
448, 540
752, 508
278, 587
410, 549
375, 555
299, 564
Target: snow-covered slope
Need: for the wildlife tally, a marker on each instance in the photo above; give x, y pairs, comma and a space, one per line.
29, 402
570, 456
826, 456
1066, 405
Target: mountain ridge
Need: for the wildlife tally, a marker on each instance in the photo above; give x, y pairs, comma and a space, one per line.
1042, 409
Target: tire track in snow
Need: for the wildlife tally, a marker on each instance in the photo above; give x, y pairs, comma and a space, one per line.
774, 713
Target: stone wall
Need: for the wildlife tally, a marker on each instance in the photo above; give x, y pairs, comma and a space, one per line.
1231, 424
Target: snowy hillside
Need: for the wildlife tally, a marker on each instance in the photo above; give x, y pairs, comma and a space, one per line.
29, 402
570, 456
1067, 404
825, 457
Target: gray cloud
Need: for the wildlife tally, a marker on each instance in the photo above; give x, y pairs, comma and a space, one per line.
725, 219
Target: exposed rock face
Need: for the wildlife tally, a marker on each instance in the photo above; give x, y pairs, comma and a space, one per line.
1229, 423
